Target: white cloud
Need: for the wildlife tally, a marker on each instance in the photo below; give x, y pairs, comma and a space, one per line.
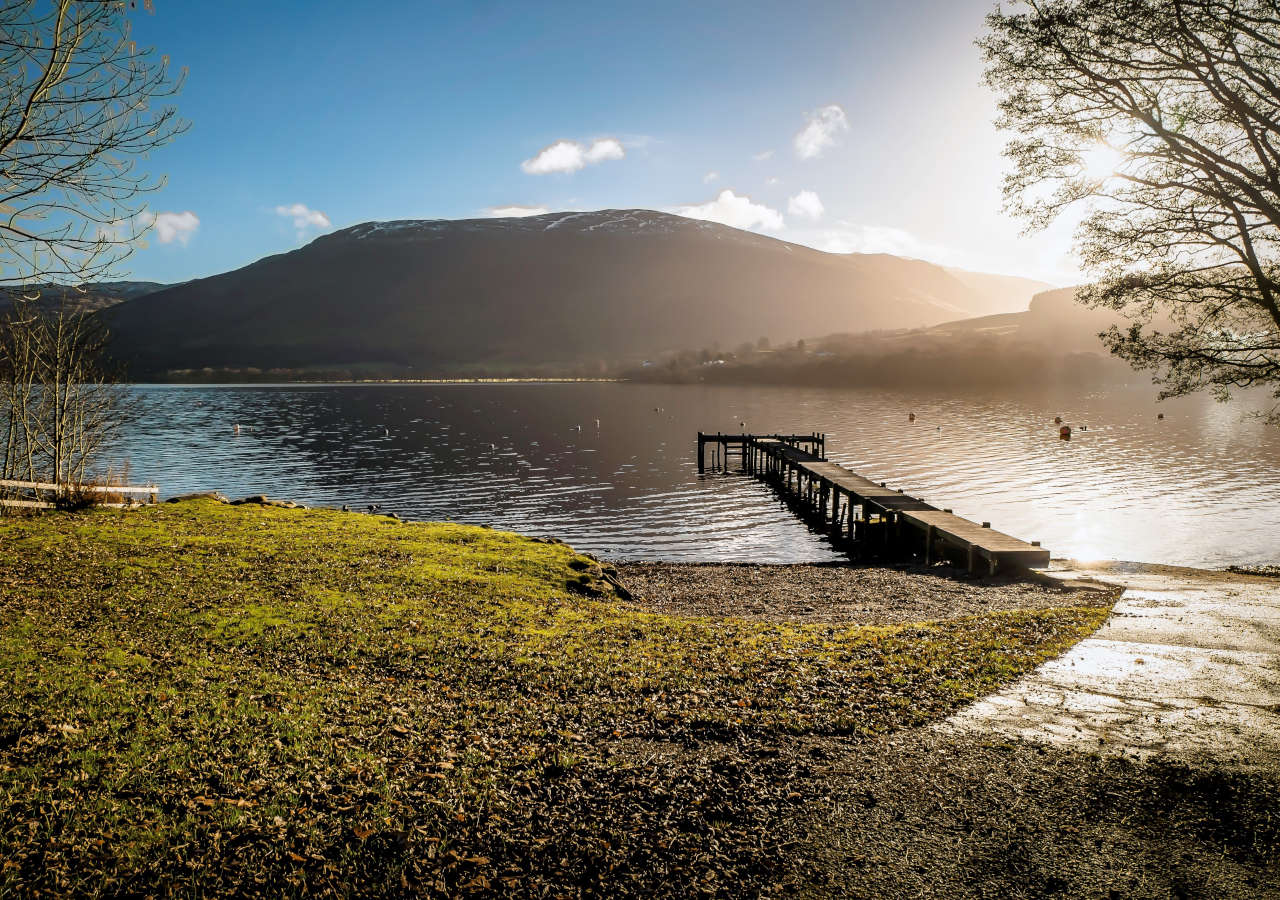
763, 155
710, 177
730, 209
171, 226
772, 181
807, 204
570, 156
515, 212
562, 156
303, 216
820, 131
603, 149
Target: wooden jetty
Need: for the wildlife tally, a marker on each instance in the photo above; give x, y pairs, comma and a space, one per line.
867, 516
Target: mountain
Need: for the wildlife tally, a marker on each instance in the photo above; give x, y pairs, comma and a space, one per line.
94, 295
555, 291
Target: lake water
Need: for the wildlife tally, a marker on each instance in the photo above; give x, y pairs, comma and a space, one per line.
1201, 487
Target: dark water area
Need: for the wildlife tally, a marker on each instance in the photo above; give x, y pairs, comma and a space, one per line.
611, 468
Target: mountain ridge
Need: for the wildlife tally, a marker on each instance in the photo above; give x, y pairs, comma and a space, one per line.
560, 290
90, 296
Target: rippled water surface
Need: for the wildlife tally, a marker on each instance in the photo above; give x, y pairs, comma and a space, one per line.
1201, 487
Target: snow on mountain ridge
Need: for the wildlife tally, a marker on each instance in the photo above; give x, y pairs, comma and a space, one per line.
638, 221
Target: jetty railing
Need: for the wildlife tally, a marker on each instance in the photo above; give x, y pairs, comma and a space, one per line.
869, 518
721, 443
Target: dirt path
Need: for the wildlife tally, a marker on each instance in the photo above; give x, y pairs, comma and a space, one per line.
1187, 667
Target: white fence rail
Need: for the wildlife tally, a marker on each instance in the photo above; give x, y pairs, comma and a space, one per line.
151, 491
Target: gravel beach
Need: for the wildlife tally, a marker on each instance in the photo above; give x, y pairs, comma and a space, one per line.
837, 593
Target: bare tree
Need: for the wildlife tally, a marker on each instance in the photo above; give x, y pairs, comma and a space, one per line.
63, 406
76, 119
1161, 120
18, 364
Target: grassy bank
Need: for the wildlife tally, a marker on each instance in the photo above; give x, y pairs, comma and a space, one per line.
200, 698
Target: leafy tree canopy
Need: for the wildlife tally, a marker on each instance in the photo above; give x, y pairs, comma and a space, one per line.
1161, 118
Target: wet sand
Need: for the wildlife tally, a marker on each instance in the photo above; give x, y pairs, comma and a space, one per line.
1187, 668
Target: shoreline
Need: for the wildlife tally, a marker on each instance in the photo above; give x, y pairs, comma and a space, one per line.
329, 382
1060, 571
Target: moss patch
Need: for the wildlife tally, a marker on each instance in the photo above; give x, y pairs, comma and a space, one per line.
205, 699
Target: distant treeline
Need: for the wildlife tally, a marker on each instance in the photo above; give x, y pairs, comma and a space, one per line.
874, 361
375, 372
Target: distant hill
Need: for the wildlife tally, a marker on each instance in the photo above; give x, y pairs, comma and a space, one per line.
1054, 340
90, 296
1053, 320
1007, 293
548, 292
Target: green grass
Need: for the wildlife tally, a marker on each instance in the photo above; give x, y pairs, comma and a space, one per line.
205, 699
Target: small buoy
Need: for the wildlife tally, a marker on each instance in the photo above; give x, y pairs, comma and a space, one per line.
237, 428
1160, 415
1065, 432
1057, 420
911, 417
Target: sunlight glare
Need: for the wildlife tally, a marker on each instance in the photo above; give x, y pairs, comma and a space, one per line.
1100, 161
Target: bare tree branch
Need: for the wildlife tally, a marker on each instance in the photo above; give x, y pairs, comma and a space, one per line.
76, 114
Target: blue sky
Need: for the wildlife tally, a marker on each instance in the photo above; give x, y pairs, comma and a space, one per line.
307, 113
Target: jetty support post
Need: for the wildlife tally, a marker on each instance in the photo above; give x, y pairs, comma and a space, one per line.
702, 443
